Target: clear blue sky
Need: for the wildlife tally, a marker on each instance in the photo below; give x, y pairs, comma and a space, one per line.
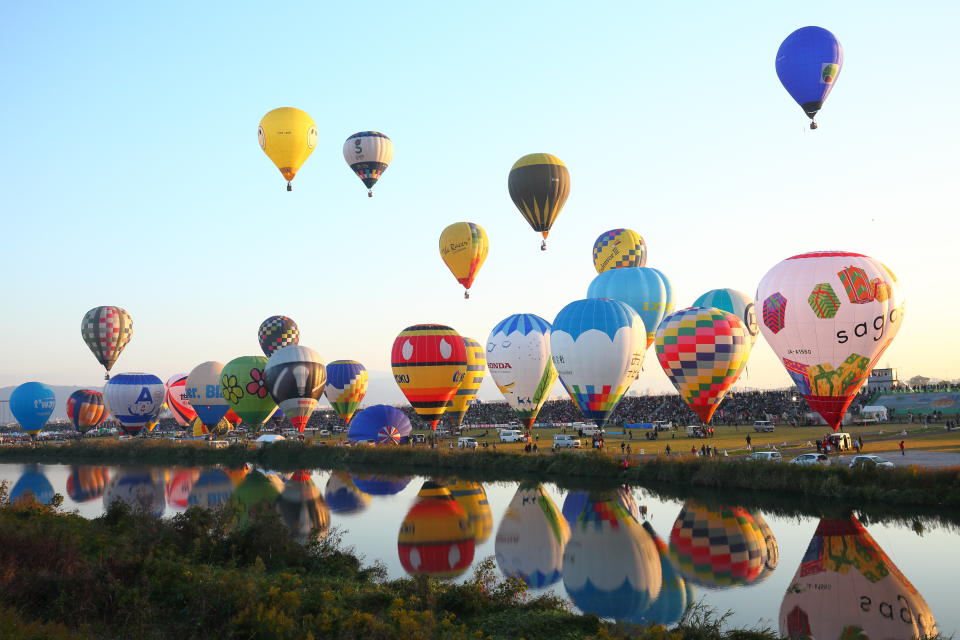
130, 172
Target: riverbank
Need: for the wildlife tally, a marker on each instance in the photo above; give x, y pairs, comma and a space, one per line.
199, 575
906, 487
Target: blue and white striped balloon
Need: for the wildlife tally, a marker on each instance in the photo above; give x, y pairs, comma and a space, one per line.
135, 399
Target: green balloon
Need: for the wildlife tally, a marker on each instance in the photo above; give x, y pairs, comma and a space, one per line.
245, 389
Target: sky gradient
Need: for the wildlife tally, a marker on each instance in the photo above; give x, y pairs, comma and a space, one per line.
131, 175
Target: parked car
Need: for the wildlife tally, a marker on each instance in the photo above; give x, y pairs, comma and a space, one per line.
696, 431
591, 430
765, 456
870, 462
840, 441
763, 426
562, 441
324, 433
811, 458
466, 443
662, 425
418, 438
512, 435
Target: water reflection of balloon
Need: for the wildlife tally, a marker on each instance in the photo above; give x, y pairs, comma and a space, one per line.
435, 537
771, 556
85, 409
377, 485
87, 483
610, 566
302, 507
676, 595
519, 360
473, 498
179, 487
142, 489
847, 587
32, 485
211, 490
135, 399
342, 496
256, 495
531, 537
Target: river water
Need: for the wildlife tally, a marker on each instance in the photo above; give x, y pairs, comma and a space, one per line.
622, 554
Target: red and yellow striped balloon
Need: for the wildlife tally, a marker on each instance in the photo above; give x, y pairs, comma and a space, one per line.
429, 362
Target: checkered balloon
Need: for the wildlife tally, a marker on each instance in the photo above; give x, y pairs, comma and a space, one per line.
106, 330
702, 350
276, 332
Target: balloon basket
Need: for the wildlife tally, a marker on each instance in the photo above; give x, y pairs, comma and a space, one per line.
543, 246
466, 295
289, 187
369, 193
813, 126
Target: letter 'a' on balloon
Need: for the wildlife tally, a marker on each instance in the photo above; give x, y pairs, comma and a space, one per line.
106, 331
539, 185
429, 362
808, 64
288, 136
829, 316
368, 153
463, 248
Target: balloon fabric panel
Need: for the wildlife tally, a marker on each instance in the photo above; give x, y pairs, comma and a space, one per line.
470, 385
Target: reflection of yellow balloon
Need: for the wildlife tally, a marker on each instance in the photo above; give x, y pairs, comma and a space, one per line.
473, 498
288, 137
464, 247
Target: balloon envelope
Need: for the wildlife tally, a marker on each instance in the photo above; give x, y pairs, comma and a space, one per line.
32, 484
519, 360
106, 331
368, 153
203, 393
598, 347
619, 248
735, 302
435, 537
539, 185
135, 399
470, 385
531, 537
295, 378
808, 63
463, 248
31, 404
643, 289
429, 361
302, 507
177, 400
211, 490
346, 387
381, 485
276, 332
85, 409
244, 387
140, 488
382, 424
87, 483
342, 495
702, 351
829, 316
288, 136
473, 498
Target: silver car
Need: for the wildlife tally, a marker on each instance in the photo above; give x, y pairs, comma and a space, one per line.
811, 458
870, 462
766, 456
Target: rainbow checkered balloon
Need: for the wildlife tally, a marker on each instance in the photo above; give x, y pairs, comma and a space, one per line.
702, 350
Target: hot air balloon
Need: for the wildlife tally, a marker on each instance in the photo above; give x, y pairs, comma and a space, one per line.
808, 63
598, 347
469, 386
473, 498
368, 153
677, 595
85, 409
381, 485
211, 490
717, 548
31, 404
244, 387
32, 485
233, 419
829, 316
576, 501
531, 537
86, 483
464, 247
518, 357
135, 399
178, 401
702, 351
302, 508
346, 386
295, 379
106, 330
179, 487
342, 496
735, 302
429, 361
539, 184
643, 289
619, 248
276, 332
203, 393
610, 565
288, 137
256, 495
382, 424
847, 587
771, 557
140, 488
435, 537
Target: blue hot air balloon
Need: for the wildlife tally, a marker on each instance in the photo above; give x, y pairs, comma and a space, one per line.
646, 290
31, 404
382, 424
32, 483
381, 485
808, 63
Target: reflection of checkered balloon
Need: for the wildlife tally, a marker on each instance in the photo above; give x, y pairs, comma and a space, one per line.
277, 332
702, 351
717, 548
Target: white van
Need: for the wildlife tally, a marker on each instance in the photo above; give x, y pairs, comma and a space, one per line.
512, 435
466, 443
561, 441
763, 426
591, 430
662, 425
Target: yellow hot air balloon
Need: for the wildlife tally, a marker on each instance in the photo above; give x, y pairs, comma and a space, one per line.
464, 247
470, 385
288, 137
